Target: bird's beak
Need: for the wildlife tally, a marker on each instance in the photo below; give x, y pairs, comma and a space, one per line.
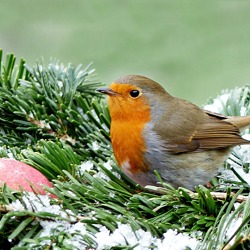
107, 91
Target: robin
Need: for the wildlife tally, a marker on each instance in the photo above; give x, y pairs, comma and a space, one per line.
152, 130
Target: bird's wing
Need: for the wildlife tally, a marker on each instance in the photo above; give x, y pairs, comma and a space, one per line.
213, 132
217, 133
217, 115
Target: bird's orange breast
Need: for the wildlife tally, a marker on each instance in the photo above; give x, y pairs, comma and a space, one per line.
128, 120
128, 145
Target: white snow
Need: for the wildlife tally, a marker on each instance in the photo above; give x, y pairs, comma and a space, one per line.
141, 239
218, 103
95, 145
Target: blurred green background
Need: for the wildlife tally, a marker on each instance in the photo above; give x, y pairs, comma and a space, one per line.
194, 48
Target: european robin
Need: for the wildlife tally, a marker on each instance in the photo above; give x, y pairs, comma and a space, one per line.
152, 130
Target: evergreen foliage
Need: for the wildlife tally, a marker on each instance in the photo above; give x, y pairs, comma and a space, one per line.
52, 118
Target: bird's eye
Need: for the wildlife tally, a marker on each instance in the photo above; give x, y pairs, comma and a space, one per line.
134, 93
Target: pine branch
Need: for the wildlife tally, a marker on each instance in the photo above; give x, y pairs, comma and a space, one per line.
51, 102
52, 118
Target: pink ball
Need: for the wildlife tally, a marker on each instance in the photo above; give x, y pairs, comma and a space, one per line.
17, 174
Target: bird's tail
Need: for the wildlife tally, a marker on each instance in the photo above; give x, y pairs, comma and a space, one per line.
240, 122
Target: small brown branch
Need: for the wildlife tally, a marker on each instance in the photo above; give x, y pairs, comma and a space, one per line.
43, 125
6, 208
215, 195
221, 196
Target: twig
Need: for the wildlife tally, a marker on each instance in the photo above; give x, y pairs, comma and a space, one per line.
221, 196
6, 208
215, 195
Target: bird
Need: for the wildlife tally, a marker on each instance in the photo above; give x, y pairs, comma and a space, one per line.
152, 130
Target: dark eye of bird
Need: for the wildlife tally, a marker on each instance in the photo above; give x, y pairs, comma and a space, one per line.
134, 93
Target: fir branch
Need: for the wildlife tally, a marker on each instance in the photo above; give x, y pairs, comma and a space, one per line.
52, 118
48, 103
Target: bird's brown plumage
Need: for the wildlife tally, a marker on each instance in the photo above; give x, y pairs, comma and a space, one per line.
156, 131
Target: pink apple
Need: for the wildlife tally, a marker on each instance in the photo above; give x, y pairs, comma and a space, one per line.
17, 174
